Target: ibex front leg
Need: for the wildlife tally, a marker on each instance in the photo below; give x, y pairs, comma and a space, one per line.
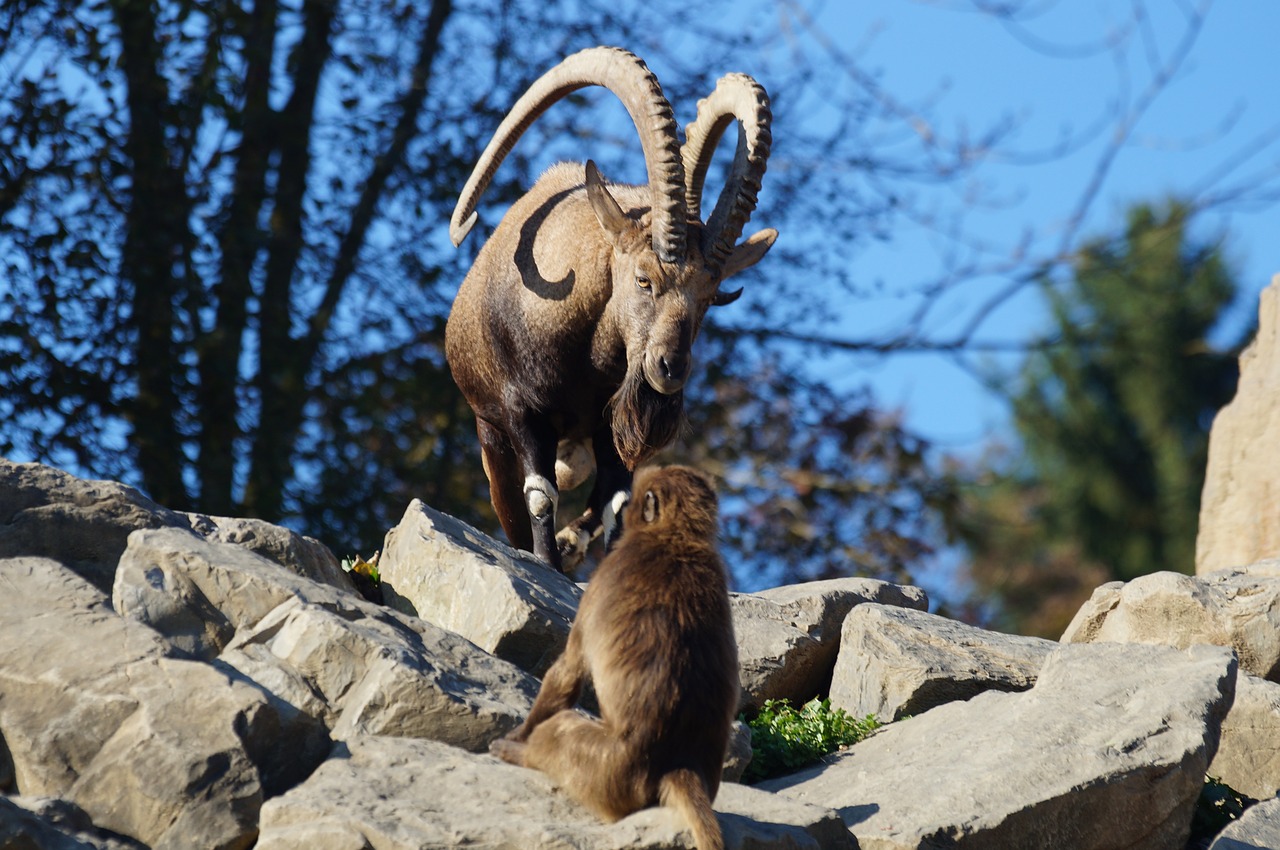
604, 506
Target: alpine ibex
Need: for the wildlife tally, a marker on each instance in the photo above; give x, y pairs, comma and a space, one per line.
570, 337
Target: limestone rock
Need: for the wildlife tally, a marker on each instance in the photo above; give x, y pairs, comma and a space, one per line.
1107, 750
197, 593
378, 676
788, 637
48, 823
84, 524
297, 553
738, 756
397, 794
896, 662
1232, 608
442, 570
48, 513
1240, 503
358, 666
1257, 829
171, 752
1248, 756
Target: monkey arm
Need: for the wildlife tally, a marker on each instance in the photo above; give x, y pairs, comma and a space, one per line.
561, 687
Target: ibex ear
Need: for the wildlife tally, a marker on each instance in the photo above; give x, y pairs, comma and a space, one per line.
650, 512
747, 254
608, 213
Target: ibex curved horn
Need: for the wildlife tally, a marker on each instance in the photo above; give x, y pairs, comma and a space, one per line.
736, 97
626, 75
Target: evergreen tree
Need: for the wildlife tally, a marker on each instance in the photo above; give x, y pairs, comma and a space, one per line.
1113, 413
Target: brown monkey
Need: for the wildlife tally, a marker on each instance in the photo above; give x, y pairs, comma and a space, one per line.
654, 634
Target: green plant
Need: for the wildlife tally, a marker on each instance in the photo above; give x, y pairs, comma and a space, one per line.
784, 739
358, 566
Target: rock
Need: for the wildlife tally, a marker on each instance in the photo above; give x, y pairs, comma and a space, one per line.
738, 756
788, 637
171, 752
360, 667
397, 794
896, 662
1240, 502
377, 676
1266, 568
1257, 829
1107, 750
505, 602
305, 556
48, 513
1227, 608
1248, 756
48, 823
197, 593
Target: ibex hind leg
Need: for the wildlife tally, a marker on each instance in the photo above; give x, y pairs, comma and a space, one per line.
610, 492
520, 463
592, 765
506, 484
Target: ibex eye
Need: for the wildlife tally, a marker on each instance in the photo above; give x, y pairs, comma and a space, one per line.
643, 281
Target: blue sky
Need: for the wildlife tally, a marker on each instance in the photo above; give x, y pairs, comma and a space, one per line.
1210, 120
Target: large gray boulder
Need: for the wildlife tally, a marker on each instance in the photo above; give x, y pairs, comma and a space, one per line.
299, 554
49, 823
789, 637
1107, 750
1235, 608
505, 602
85, 525
403, 794
1240, 503
173, 753
359, 667
896, 662
1257, 829
48, 513
1248, 756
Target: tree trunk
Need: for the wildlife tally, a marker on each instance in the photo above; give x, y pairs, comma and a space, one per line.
154, 245
288, 363
221, 348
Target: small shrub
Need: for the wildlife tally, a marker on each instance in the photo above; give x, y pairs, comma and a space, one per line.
365, 576
359, 566
785, 739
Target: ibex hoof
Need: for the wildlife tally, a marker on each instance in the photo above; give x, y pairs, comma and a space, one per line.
572, 543
540, 497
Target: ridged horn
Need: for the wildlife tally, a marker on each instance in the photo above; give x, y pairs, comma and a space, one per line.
737, 97
626, 75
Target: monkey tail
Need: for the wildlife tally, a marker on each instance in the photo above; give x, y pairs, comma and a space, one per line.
684, 791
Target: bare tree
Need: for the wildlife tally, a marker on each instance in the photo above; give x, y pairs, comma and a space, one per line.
223, 239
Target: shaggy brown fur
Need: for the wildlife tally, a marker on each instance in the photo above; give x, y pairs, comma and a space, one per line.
654, 635
644, 420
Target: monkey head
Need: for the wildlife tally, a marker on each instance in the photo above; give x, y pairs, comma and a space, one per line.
674, 499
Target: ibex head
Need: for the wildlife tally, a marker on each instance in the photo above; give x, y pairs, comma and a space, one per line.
667, 265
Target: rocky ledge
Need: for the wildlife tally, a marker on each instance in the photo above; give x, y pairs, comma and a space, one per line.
176, 680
